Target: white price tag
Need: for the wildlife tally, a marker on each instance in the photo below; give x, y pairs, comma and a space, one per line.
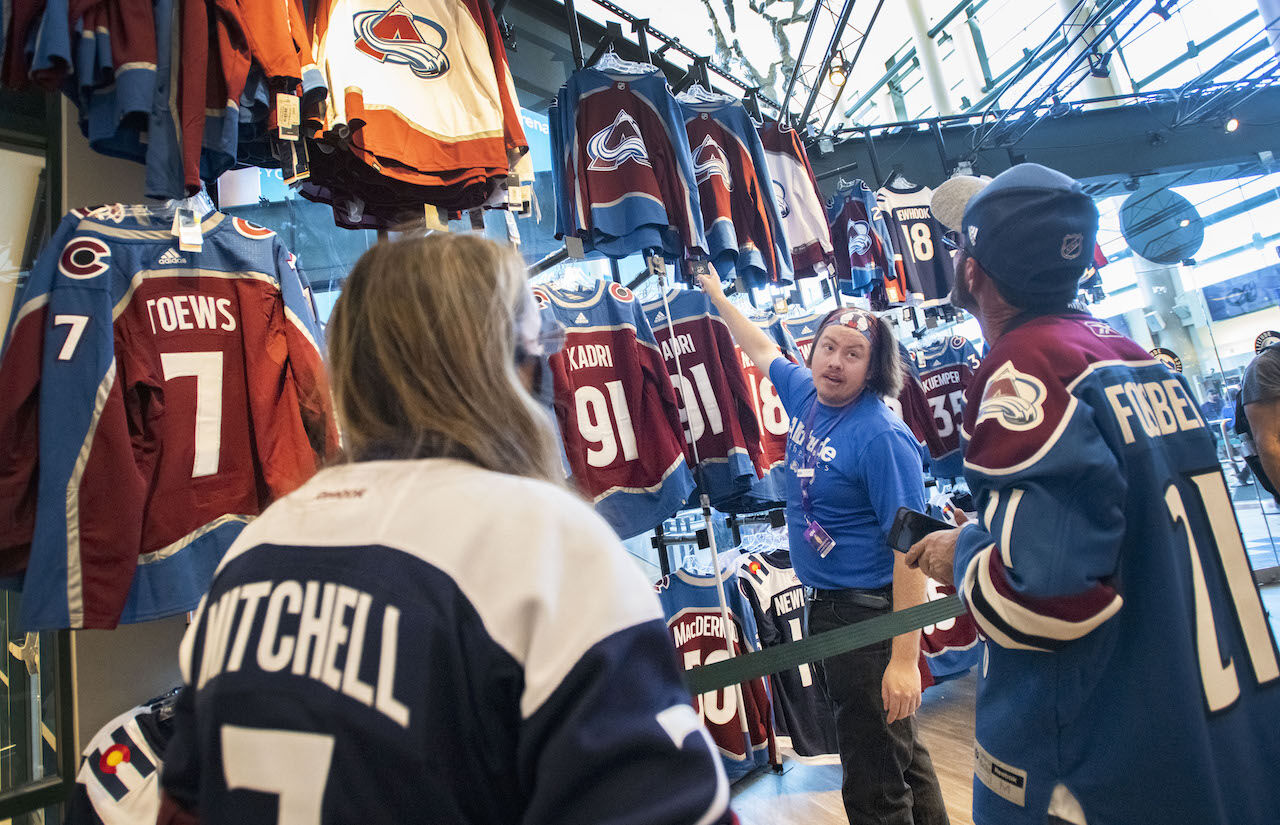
189, 237
288, 116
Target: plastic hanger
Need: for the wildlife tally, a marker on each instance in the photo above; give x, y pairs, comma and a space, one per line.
612, 63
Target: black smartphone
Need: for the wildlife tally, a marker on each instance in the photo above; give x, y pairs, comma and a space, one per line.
909, 526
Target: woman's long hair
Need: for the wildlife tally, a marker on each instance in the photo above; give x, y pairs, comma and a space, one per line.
422, 348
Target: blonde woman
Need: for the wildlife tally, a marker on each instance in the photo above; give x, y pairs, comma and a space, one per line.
437, 631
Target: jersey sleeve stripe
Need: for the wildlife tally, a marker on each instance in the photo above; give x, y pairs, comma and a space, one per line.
75, 571
1006, 528
1033, 623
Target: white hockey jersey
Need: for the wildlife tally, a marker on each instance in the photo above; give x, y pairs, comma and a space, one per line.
795, 190
424, 86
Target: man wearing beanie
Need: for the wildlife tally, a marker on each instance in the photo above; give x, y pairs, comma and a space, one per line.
1130, 674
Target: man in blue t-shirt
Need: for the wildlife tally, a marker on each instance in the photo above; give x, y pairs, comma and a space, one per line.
851, 463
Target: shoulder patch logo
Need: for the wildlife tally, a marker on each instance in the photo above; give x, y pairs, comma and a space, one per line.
709, 160
84, 258
1072, 246
400, 37
859, 237
540, 298
780, 195
616, 144
251, 230
621, 293
1102, 330
1014, 399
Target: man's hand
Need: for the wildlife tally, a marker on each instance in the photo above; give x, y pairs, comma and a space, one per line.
900, 689
934, 555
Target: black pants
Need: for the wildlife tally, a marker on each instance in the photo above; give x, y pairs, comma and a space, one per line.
888, 775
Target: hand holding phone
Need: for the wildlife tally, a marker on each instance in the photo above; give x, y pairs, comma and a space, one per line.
909, 526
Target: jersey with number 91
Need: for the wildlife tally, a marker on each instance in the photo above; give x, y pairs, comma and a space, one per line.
1128, 646
161, 398
617, 409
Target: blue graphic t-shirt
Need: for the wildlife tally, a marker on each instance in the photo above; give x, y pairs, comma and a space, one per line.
867, 466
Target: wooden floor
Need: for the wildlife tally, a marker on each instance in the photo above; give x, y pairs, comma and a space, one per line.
810, 794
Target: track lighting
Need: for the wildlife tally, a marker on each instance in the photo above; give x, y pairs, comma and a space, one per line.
836, 71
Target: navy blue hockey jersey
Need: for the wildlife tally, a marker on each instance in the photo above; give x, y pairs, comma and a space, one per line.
427, 641
1132, 675
696, 625
802, 718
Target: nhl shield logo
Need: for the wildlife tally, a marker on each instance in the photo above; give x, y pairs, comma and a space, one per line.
401, 37
1072, 244
1014, 399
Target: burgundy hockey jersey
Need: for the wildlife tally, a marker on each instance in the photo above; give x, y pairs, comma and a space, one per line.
697, 627
156, 400
716, 404
617, 409
948, 368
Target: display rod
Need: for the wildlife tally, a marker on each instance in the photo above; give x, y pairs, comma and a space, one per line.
705, 500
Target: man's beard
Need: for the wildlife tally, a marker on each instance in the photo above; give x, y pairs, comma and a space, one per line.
961, 297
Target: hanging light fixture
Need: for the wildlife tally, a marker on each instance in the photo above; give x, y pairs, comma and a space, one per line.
836, 71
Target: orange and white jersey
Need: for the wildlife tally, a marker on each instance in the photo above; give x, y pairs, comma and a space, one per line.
423, 84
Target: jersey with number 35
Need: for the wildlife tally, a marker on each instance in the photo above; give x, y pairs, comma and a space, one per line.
155, 400
948, 369
1128, 647
617, 408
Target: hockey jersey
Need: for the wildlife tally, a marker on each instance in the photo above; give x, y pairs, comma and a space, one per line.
1127, 647
771, 488
795, 191
119, 778
450, 680
697, 628
946, 371
917, 241
864, 247
720, 425
617, 408
802, 331
159, 399
622, 155
424, 88
741, 219
951, 646
912, 406
803, 721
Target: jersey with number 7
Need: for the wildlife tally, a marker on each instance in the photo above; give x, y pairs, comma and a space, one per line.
1132, 674
156, 399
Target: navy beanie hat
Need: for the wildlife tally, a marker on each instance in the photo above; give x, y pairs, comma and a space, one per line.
1033, 231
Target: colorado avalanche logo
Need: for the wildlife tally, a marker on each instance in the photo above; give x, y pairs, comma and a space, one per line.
780, 195
540, 298
859, 237
709, 160
396, 36
84, 258
616, 144
251, 230
1014, 399
621, 293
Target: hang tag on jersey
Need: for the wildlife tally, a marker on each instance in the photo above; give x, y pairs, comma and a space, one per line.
573, 245
780, 304
436, 218
189, 237
515, 195
477, 219
288, 116
526, 198
657, 265
513, 231
295, 166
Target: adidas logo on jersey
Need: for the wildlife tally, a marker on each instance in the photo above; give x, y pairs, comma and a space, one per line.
171, 256
661, 316
581, 319
808, 330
